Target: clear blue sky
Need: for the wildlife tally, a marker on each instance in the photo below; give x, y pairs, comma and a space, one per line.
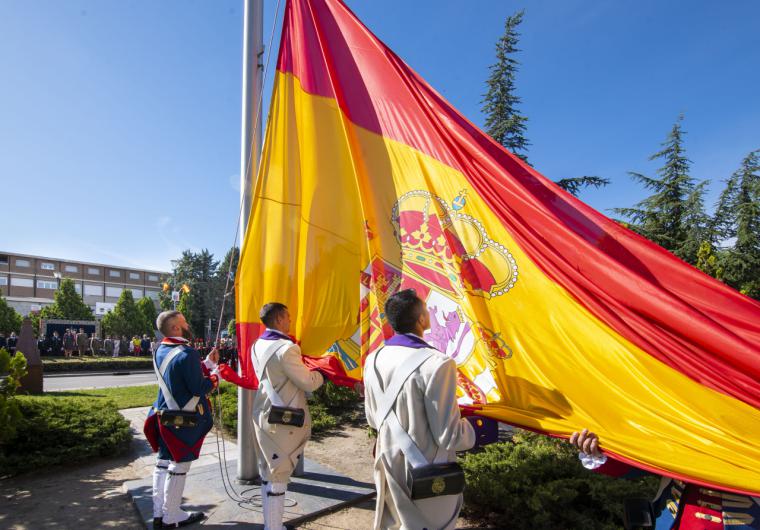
120, 121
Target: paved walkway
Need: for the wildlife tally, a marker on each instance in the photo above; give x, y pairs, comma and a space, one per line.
319, 490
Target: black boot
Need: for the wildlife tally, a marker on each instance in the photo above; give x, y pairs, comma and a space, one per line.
158, 522
194, 518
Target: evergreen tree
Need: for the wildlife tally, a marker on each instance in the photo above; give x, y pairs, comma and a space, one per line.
125, 319
737, 221
10, 320
67, 304
574, 185
199, 271
504, 122
225, 278
673, 216
147, 309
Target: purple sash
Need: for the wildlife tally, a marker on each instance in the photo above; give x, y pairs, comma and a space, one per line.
407, 341
272, 334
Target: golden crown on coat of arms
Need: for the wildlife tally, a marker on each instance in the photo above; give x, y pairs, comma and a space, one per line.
449, 249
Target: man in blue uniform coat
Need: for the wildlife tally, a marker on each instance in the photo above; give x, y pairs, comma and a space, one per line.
184, 381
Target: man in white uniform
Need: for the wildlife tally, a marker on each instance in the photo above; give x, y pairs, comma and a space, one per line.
283, 382
410, 390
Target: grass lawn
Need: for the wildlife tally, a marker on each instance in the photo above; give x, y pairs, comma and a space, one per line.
125, 397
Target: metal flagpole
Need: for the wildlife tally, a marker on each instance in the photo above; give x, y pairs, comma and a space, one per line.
250, 152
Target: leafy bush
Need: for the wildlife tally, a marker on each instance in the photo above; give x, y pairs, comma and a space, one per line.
335, 397
535, 481
59, 364
63, 430
13, 368
322, 418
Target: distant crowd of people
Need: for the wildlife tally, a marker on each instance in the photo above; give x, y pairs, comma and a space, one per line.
80, 343
9, 343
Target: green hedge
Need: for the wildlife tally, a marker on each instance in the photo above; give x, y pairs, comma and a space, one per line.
323, 418
63, 430
538, 482
97, 364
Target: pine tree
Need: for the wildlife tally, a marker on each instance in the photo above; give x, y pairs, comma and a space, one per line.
673, 216
504, 122
737, 221
574, 185
10, 320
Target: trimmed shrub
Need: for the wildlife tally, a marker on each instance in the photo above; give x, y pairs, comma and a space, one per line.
535, 481
96, 364
335, 397
63, 430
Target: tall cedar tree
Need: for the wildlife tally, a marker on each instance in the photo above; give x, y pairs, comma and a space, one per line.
504, 122
737, 221
673, 216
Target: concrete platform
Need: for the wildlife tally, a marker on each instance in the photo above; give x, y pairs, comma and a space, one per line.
319, 491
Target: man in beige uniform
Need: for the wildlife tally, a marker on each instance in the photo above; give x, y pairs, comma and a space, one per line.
283, 382
410, 390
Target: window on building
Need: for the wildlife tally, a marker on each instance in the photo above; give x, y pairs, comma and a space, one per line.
137, 294
22, 263
153, 295
71, 268
153, 277
44, 284
134, 275
115, 292
93, 270
22, 282
93, 290
114, 274
3, 280
47, 266
78, 288
3, 259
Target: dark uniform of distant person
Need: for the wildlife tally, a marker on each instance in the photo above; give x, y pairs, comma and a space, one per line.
69, 343
12, 341
145, 345
108, 346
184, 382
56, 344
410, 400
82, 342
43, 344
283, 382
677, 505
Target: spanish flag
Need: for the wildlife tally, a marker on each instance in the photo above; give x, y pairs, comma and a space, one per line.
558, 317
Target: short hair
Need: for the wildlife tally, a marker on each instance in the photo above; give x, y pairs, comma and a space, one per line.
403, 309
271, 312
164, 320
